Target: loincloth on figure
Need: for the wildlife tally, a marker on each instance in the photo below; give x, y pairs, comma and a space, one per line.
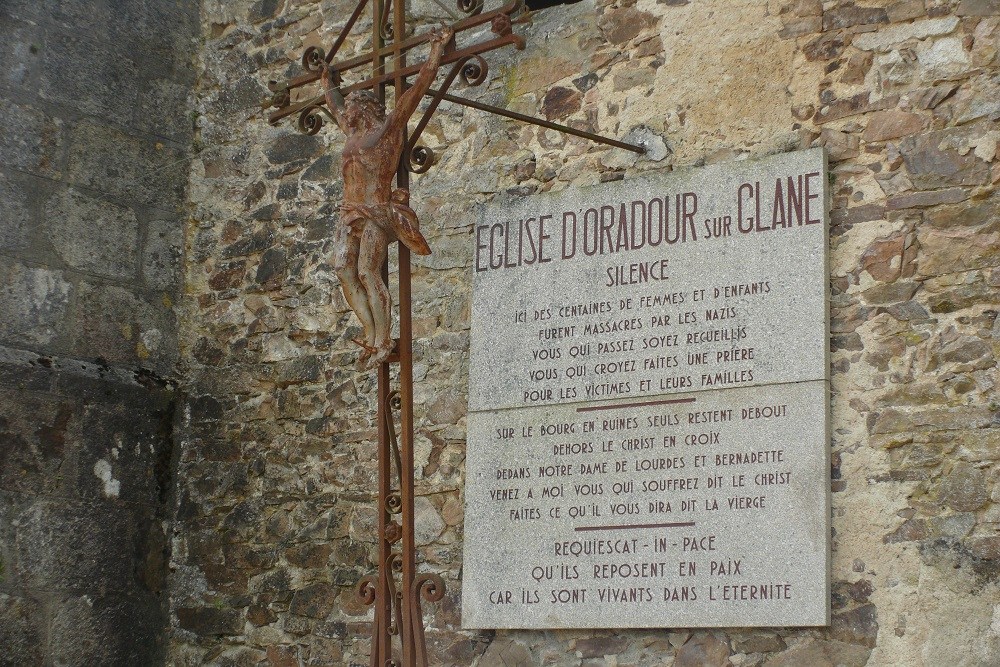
395, 218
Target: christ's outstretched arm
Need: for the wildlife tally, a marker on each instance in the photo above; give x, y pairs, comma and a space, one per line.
408, 101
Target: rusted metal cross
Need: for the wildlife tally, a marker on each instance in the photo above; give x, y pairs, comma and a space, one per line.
374, 214
467, 62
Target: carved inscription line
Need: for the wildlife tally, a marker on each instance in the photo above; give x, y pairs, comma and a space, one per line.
676, 524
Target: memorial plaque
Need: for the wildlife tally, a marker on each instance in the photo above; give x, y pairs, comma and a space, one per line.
648, 403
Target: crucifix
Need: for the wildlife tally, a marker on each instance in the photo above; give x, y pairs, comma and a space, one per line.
377, 151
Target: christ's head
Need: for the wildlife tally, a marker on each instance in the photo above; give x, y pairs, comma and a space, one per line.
363, 111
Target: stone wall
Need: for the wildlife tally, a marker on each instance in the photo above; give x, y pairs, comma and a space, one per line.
276, 516
95, 131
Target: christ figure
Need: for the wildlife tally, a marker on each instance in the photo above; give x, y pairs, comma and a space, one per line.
373, 214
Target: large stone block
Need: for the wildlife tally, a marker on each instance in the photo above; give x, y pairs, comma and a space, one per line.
162, 108
125, 327
939, 159
34, 427
162, 253
93, 235
124, 452
19, 51
16, 214
129, 168
107, 630
32, 139
61, 545
22, 626
103, 83
33, 304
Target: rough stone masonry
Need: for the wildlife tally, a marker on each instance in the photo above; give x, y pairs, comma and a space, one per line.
276, 521
275, 478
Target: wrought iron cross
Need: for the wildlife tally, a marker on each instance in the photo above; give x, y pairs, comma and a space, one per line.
376, 210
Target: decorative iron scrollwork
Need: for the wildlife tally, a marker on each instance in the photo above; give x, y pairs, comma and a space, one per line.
420, 159
313, 59
366, 589
385, 29
474, 71
429, 586
394, 564
393, 503
470, 7
311, 119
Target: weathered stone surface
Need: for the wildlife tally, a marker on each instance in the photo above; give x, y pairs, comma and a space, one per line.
19, 52
706, 650
85, 459
958, 249
943, 58
978, 8
964, 489
885, 125
934, 160
506, 653
716, 81
123, 327
129, 628
92, 235
429, 522
139, 169
21, 630
926, 198
16, 218
821, 653
210, 621
840, 145
289, 147
857, 626
560, 102
33, 139
888, 37
34, 304
315, 601
758, 642
848, 15
107, 79
162, 253
904, 10
621, 25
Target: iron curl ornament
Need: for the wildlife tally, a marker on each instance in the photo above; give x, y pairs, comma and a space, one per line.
365, 590
470, 7
420, 159
313, 59
311, 119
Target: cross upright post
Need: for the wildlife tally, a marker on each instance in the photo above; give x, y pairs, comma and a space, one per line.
381, 637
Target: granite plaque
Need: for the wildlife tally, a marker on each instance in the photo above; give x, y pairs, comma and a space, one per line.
648, 403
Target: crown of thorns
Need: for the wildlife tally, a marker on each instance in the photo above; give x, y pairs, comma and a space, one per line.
367, 99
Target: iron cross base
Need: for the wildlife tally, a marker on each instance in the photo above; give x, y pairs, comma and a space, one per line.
398, 609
